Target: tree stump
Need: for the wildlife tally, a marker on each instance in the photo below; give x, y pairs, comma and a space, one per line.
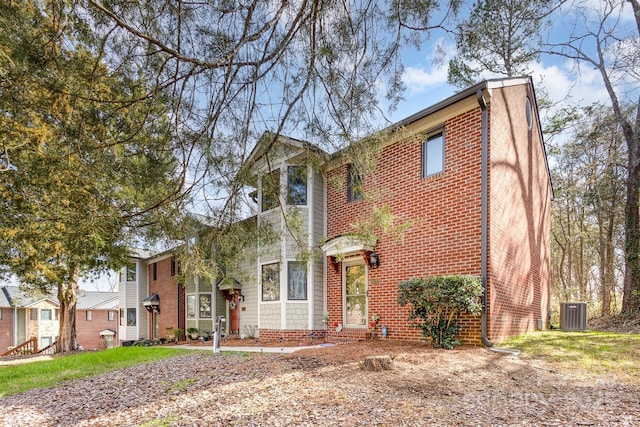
376, 363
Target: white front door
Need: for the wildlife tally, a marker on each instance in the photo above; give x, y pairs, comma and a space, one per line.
355, 295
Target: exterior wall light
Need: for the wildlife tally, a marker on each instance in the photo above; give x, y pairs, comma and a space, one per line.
374, 260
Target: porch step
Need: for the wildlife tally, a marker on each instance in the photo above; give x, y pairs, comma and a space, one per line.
347, 336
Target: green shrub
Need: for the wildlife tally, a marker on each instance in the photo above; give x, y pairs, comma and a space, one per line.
435, 303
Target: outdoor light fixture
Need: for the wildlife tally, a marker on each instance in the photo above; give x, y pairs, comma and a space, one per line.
240, 297
374, 260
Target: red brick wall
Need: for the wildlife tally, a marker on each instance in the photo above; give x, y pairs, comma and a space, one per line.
5, 328
444, 212
172, 300
88, 331
271, 335
520, 221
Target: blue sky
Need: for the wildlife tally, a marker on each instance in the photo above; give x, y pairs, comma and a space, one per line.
426, 74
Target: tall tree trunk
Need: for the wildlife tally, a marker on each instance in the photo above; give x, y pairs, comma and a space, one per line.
631, 295
68, 297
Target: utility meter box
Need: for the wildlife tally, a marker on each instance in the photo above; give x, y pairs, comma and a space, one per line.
573, 316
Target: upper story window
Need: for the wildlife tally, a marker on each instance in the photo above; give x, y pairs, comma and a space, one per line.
354, 183
297, 185
528, 112
89, 315
45, 314
155, 270
131, 272
433, 155
270, 190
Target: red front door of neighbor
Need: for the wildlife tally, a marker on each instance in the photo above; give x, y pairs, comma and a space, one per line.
234, 327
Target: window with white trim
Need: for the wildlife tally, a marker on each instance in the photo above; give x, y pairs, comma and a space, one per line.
296, 280
271, 282
89, 315
131, 317
191, 306
433, 155
205, 306
270, 190
297, 185
45, 314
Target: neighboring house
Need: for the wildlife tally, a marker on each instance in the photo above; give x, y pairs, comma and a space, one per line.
152, 305
466, 180
5, 321
25, 316
97, 320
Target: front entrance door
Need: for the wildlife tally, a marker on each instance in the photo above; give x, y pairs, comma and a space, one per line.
234, 326
355, 282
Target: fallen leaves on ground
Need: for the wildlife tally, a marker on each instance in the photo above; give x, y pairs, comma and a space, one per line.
325, 386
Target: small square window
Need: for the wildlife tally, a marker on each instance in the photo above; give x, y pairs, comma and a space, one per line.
354, 183
433, 155
297, 185
45, 314
89, 315
271, 282
296, 280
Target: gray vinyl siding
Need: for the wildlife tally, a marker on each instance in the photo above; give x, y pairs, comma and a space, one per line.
248, 315
143, 315
318, 233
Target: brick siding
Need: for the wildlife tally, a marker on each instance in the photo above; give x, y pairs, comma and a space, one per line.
5, 328
88, 331
172, 298
444, 212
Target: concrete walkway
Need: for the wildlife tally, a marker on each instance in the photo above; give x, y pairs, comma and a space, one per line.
255, 349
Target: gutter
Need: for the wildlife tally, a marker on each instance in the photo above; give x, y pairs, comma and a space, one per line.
484, 227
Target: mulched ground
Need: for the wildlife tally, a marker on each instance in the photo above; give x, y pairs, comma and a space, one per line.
326, 386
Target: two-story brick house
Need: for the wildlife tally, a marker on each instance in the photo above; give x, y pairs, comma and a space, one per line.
467, 182
471, 177
24, 316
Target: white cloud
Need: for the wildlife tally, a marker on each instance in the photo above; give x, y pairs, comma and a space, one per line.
429, 71
418, 80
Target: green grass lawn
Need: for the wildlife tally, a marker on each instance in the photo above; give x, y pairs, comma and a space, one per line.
49, 373
595, 353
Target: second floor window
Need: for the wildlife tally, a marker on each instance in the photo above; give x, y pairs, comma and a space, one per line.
270, 190
131, 272
433, 155
354, 183
297, 185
